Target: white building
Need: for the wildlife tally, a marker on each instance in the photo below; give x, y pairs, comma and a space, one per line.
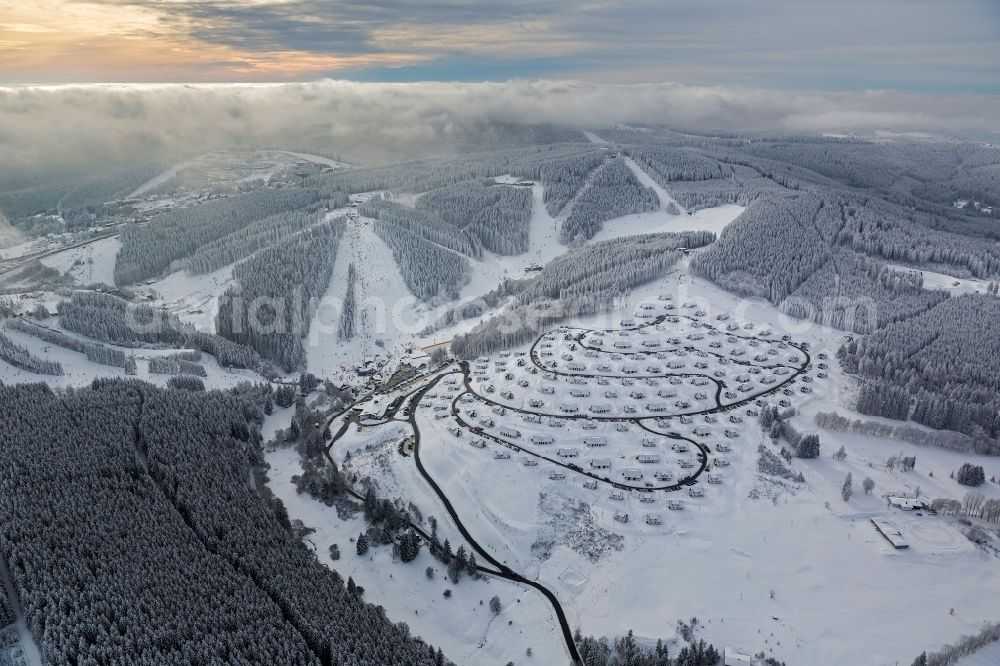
732, 657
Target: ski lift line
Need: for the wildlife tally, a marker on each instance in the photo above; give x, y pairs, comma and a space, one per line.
437, 344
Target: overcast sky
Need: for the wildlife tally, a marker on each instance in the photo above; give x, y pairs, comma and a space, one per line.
925, 46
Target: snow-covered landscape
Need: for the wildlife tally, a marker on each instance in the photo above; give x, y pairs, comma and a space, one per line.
343, 334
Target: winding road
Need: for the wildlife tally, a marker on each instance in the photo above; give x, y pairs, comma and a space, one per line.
496, 568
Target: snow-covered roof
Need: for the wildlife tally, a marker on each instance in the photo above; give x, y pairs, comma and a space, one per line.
731, 657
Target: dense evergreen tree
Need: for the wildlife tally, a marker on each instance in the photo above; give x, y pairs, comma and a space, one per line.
612, 192
940, 361
971, 475
95, 352
20, 357
148, 250
141, 495
271, 306
428, 269
346, 323
111, 319
497, 215
582, 281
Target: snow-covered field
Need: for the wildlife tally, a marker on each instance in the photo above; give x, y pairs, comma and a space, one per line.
194, 299
461, 623
94, 262
786, 568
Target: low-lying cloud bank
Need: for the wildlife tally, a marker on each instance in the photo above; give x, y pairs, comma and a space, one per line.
123, 123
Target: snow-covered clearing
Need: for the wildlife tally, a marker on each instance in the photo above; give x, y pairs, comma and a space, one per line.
593, 138
10, 236
707, 219
194, 299
763, 573
949, 283
988, 656
88, 264
462, 625
659, 221
387, 314
79, 371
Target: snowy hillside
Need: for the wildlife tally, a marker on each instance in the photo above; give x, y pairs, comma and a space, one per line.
531, 396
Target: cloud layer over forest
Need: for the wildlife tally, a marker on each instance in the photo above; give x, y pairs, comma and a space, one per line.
122, 124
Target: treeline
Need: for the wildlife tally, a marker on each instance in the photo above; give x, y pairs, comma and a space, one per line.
562, 177
583, 281
111, 319
818, 238
973, 505
944, 439
162, 365
140, 496
904, 235
270, 307
626, 651
57, 195
6, 613
424, 175
346, 325
614, 266
740, 180
939, 361
856, 293
956, 652
937, 171
95, 352
768, 251
425, 224
20, 357
796, 250
148, 250
613, 191
476, 307
428, 269
667, 164
497, 215
244, 242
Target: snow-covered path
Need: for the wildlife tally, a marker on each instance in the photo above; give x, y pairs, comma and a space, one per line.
593, 138
647, 181
30, 651
707, 219
386, 311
